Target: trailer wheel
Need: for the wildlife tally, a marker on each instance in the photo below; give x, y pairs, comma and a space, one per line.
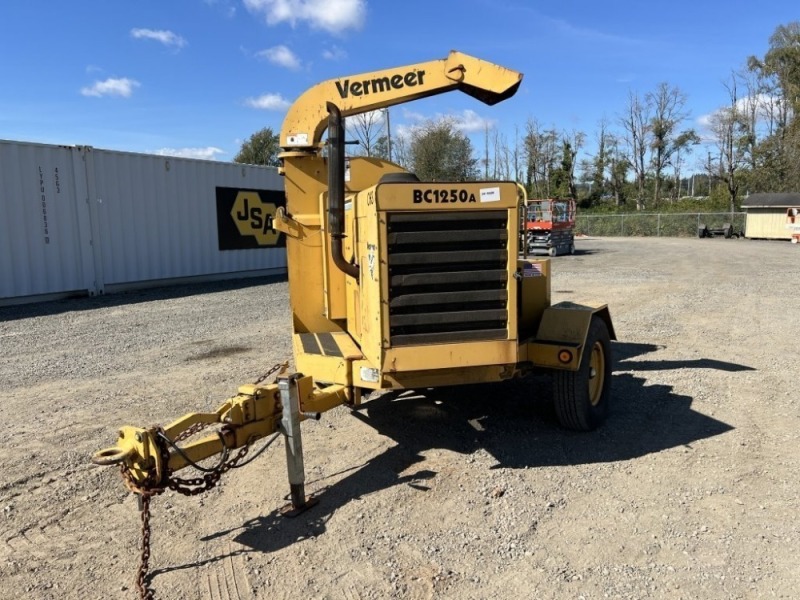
552, 251
582, 396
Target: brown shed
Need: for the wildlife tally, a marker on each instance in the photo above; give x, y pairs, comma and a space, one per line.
766, 215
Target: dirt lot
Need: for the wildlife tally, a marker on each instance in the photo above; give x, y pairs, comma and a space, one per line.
689, 491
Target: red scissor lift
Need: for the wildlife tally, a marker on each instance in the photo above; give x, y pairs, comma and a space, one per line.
550, 226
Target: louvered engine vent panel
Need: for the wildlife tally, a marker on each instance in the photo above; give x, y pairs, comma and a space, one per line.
447, 276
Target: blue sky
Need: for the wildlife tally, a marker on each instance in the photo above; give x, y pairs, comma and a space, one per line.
195, 77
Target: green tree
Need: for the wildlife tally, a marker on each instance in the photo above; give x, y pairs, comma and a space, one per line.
563, 177
440, 152
618, 166
261, 148
776, 158
782, 61
381, 148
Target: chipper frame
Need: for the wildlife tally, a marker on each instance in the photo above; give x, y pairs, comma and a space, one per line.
393, 283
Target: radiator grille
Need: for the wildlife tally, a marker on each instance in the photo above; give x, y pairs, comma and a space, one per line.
447, 276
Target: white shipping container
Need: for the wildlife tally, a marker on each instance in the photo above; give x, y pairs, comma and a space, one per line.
76, 220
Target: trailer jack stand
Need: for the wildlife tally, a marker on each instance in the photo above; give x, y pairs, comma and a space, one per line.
290, 427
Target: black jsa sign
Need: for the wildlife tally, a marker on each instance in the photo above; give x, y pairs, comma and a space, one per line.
244, 218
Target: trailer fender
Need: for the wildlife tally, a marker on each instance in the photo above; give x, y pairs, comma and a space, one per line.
562, 333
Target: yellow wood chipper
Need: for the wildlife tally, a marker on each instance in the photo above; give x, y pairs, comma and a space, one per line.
394, 283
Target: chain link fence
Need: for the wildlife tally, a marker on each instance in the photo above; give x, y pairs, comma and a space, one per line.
656, 224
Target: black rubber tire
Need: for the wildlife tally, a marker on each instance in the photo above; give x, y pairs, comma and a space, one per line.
574, 408
572, 249
552, 251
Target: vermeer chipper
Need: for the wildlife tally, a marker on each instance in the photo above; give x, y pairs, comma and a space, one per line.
393, 283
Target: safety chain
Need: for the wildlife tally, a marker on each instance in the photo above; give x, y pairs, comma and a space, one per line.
280, 366
187, 487
198, 485
144, 493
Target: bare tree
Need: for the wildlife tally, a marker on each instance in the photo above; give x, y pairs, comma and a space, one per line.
729, 126
668, 104
752, 110
400, 150
366, 128
617, 165
597, 177
502, 157
636, 122
533, 143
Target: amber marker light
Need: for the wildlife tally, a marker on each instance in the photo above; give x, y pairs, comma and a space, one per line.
565, 356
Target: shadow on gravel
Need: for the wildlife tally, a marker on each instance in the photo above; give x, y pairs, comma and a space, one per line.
513, 421
171, 292
274, 531
623, 352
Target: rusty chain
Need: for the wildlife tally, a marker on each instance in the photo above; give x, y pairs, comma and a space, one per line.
185, 486
198, 485
145, 592
144, 492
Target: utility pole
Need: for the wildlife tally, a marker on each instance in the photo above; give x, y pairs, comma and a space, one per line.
486, 160
388, 133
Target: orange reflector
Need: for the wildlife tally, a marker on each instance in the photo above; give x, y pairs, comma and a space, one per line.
565, 356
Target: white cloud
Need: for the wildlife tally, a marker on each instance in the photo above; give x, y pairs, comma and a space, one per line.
268, 102
705, 120
281, 56
410, 115
166, 37
469, 121
334, 16
111, 87
207, 153
764, 104
334, 53
403, 131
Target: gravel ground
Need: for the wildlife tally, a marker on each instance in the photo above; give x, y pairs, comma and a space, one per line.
690, 490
